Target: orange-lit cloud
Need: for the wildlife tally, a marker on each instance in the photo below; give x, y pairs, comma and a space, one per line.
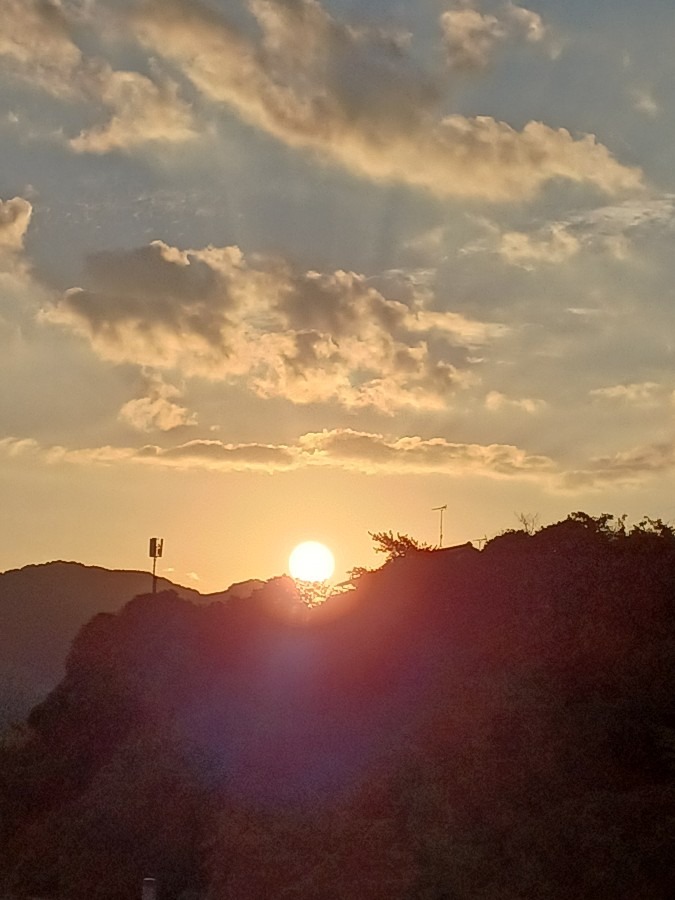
304, 336
368, 453
526, 251
645, 393
157, 409
15, 217
471, 36
495, 401
37, 45
342, 449
614, 230
357, 100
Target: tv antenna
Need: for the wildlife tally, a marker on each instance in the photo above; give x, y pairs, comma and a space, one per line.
155, 552
441, 510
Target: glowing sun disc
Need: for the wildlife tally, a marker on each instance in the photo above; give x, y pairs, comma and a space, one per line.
311, 561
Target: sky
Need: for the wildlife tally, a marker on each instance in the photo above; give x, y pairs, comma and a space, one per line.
285, 270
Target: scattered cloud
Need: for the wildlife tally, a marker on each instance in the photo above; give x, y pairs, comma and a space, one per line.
305, 336
143, 110
157, 409
645, 393
352, 95
37, 45
356, 99
20, 293
471, 37
634, 215
644, 102
611, 229
15, 217
625, 468
520, 249
496, 402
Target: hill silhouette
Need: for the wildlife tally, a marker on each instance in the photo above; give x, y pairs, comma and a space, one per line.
491, 725
42, 607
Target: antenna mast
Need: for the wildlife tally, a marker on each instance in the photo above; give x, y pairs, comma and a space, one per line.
441, 510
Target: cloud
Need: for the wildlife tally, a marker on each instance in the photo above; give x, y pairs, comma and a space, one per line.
635, 215
143, 110
625, 468
611, 229
20, 293
644, 394
367, 453
220, 456
305, 336
15, 217
520, 249
342, 449
470, 36
496, 401
157, 409
37, 45
644, 102
357, 100
372, 453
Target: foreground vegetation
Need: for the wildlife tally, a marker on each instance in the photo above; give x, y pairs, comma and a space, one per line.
491, 725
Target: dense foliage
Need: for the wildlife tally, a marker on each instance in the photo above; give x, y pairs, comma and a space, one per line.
42, 608
491, 725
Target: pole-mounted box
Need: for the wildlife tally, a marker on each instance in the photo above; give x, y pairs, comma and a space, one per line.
156, 547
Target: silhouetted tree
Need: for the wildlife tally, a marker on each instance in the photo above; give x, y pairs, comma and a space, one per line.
396, 545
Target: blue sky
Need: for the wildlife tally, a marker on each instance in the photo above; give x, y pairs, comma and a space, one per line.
273, 271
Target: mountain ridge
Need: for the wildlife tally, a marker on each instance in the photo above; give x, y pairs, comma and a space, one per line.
43, 606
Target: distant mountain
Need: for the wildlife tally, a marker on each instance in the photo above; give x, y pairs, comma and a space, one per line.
42, 607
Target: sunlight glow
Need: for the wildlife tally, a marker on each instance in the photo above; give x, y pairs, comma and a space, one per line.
311, 561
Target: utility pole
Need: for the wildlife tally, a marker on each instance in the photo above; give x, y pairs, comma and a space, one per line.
156, 549
441, 510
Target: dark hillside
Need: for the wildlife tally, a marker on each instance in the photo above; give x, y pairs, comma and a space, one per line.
479, 726
42, 608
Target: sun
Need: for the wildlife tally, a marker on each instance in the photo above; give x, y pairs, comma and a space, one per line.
311, 561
